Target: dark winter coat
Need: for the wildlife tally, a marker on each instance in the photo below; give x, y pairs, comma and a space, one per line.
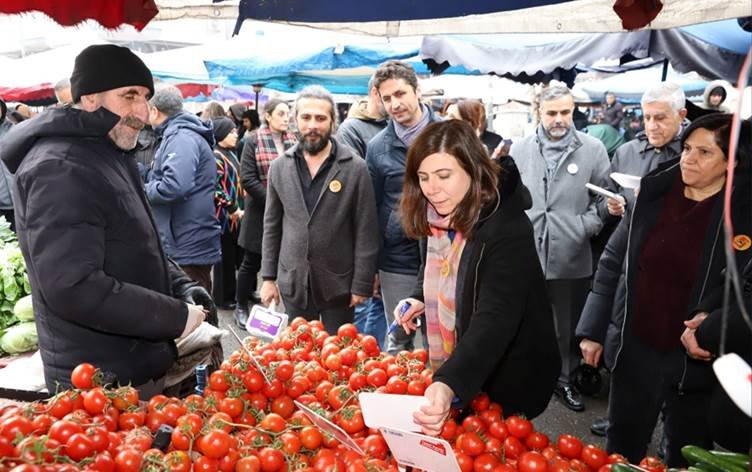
507, 345
386, 156
252, 224
180, 188
621, 256
100, 281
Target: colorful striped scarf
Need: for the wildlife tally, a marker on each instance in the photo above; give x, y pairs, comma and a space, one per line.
266, 150
439, 285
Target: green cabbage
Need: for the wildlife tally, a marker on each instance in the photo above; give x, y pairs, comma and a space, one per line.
24, 310
20, 338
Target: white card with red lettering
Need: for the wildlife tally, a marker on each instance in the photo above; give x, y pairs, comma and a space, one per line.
420, 451
390, 411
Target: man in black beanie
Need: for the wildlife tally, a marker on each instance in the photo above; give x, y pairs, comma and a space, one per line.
103, 290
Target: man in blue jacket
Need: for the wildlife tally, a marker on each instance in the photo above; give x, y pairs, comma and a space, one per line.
180, 186
399, 259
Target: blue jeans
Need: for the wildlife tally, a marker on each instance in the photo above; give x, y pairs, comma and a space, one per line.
370, 319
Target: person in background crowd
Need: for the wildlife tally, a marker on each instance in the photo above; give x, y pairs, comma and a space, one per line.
555, 164
180, 186
607, 135
613, 112
249, 123
489, 326
671, 254
319, 246
24, 111
474, 113
399, 258
715, 96
634, 128
213, 110
262, 147
63, 92
227, 198
364, 121
664, 117
103, 290
6, 178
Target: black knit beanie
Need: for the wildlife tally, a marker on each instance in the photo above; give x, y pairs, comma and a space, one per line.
222, 127
105, 67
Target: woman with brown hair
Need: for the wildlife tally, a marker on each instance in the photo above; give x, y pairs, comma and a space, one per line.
474, 113
489, 325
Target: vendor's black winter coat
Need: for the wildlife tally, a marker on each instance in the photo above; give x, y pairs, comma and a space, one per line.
100, 282
620, 260
506, 341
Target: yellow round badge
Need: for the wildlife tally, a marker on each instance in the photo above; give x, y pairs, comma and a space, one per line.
742, 242
335, 186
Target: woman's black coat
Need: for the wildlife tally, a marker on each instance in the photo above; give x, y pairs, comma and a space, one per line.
506, 341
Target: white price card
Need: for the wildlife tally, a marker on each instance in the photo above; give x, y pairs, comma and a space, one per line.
735, 375
390, 411
420, 451
265, 323
327, 426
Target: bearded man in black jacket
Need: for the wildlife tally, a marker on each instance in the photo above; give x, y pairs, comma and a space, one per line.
102, 288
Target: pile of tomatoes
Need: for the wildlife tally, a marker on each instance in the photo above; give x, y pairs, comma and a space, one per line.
246, 419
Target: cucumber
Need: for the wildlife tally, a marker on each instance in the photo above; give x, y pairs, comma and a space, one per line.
699, 456
741, 460
621, 467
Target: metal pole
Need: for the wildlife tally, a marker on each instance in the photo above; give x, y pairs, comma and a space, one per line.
664, 74
256, 102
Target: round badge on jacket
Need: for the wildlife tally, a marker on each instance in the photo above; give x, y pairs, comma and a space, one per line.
572, 168
742, 242
335, 186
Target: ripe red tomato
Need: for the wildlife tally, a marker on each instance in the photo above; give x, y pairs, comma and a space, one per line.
357, 381
449, 430
593, 456
271, 459
471, 444
248, 464
338, 396
62, 430
485, 463
532, 461
61, 405
652, 464
284, 371
396, 385
519, 427
283, 406
465, 462
310, 437
473, 423
375, 446
377, 378
416, 387
537, 441
214, 444
513, 447
232, 406
273, 422
128, 460
351, 420
498, 429
83, 376
219, 381
480, 403
95, 401
615, 457
347, 331
16, 425
569, 446
253, 381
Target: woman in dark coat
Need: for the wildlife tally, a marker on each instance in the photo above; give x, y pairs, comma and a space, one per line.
671, 252
262, 147
481, 287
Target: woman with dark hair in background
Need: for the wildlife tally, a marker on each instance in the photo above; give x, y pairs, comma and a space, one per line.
474, 113
481, 287
262, 147
671, 254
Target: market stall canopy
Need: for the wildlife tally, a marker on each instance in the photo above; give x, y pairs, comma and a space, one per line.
714, 50
344, 68
629, 86
108, 13
400, 18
